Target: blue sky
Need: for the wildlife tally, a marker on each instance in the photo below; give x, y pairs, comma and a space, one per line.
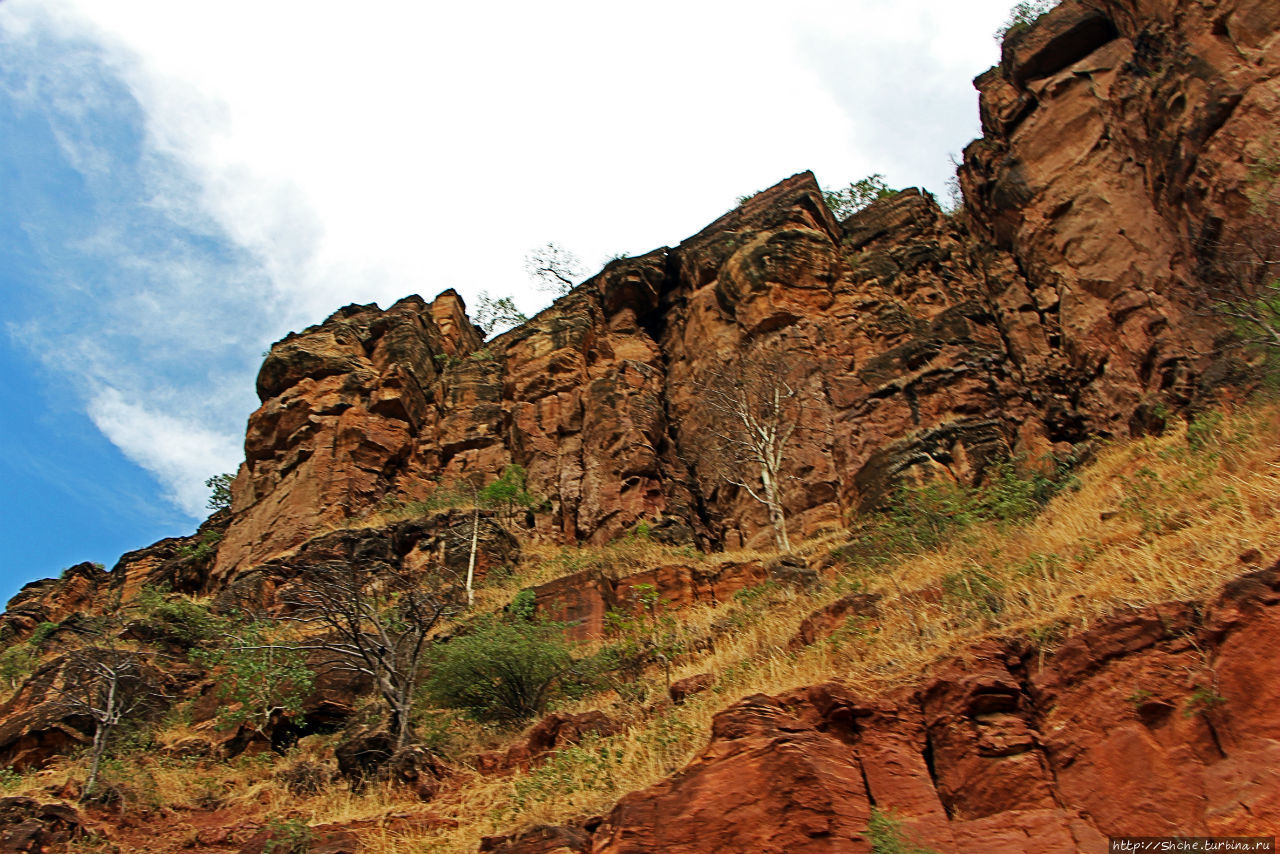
177, 190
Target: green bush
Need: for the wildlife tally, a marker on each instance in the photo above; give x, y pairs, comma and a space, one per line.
287, 836
1023, 15
924, 517
509, 492
884, 831
261, 676
205, 547
846, 202
503, 671
188, 621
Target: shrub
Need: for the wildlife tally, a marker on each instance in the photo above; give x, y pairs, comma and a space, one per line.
287, 836
188, 621
848, 201
502, 671
884, 831
924, 517
1022, 16
16, 664
219, 491
205, 547
262, 676
509, 492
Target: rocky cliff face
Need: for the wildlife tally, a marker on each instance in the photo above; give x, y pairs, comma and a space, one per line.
1064, 303
1158, 723
1121, 142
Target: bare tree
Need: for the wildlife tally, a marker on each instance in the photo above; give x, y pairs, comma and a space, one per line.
555, 268
107, 683
753, 408
375, 622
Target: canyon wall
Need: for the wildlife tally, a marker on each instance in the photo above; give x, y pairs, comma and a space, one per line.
1066, 301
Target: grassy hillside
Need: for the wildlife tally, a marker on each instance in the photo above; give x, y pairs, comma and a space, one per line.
1035, 555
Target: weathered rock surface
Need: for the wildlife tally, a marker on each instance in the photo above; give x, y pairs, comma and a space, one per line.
554, 731
1156, 723
584, 599
1064, 303
28, 826
826, 620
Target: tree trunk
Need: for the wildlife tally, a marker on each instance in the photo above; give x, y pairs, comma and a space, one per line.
99, 747
471, 561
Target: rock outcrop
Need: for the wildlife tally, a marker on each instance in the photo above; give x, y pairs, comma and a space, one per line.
1160, 722
1063, 303
1118, 172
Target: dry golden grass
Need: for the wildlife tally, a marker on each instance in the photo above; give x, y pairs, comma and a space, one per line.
1151, 520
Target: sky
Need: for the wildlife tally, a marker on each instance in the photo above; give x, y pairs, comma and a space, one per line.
183, 183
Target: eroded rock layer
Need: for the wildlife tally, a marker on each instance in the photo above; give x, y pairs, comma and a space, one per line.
1160, 722
1063, 303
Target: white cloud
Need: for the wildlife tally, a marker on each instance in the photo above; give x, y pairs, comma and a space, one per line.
352, 153
178, 451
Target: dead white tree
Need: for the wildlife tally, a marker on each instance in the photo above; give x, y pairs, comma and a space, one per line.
751, 409
107, 683
374, 621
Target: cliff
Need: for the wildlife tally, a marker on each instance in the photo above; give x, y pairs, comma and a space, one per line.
1067, 302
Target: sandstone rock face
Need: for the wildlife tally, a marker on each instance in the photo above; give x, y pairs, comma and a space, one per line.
1063, 303
1118, 137
583, 600
1157, 723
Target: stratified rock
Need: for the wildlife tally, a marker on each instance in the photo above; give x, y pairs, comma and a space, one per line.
1162, 722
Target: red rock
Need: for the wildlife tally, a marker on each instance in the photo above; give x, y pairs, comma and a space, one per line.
998, 751
549, 734
824, 621
682, 689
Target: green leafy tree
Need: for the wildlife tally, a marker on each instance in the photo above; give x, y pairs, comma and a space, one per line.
846, 202
1023, 15
498, 315
263, 674
502, 671
509, 492
220, 491
16, 664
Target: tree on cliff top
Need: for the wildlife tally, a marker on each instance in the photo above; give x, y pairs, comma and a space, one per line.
846, 202
1023, 15
554, 268
495, 315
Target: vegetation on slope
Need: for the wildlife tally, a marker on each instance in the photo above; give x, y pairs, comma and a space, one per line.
1147, 520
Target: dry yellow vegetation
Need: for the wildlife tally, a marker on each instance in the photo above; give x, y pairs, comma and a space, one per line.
1146, 520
